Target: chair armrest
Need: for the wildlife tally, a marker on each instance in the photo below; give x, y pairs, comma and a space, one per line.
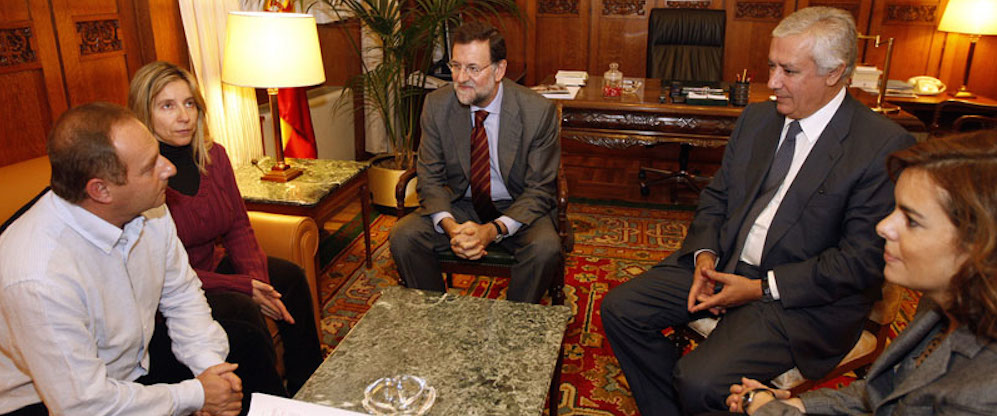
400, 188
564, 229
291, 238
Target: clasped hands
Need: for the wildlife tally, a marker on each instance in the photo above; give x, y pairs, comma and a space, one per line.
469, 239
222, 391
735, 399
737, 290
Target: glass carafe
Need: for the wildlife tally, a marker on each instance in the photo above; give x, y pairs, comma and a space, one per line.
612, 81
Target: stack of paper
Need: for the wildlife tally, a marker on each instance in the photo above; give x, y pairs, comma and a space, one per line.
571, 78
866, 77
557, 91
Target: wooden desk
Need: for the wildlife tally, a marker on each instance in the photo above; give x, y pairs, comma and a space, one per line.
606, 140
643, 119
939, 111
326, 187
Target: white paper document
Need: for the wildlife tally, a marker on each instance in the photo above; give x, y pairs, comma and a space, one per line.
267, 405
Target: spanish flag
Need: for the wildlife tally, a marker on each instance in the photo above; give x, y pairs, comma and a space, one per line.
295, 116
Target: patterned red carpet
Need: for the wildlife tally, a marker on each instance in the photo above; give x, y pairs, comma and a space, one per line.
613, 244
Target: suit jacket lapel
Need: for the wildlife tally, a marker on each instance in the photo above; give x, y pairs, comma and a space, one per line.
880, 384
460, 130
510, 130
817, 165
762, 153
962, 341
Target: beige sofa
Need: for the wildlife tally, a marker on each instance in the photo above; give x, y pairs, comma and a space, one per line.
288, 237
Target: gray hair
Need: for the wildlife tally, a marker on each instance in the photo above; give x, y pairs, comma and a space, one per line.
835, 39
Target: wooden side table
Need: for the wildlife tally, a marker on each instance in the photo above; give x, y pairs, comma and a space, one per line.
325, 188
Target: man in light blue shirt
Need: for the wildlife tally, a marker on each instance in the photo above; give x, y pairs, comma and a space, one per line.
82, 274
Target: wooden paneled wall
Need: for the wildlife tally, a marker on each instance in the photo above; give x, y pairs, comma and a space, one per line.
62, 53
590, 34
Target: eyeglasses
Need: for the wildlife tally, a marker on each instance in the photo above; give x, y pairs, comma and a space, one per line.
472, 69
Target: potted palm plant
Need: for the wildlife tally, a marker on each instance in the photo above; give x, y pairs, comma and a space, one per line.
404, 33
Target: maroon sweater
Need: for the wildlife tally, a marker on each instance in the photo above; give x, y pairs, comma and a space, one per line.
217, 214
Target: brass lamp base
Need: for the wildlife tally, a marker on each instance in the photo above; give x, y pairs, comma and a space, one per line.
963, 93
885, 110
282, 173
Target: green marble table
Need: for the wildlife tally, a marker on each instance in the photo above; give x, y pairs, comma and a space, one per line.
325, 187
483, 356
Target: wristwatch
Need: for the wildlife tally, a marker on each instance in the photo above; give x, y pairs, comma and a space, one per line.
498, 231
766, 290
749, 396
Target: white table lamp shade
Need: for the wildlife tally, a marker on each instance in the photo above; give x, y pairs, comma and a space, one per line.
974, 17
272, 50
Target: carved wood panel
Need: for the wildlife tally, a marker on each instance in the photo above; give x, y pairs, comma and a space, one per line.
15, 47
685, 4
755, 10
920, 14
33, 92
98, 36
558, 7
99, 47
623, 7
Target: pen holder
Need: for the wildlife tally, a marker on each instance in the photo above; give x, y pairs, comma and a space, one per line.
739, 92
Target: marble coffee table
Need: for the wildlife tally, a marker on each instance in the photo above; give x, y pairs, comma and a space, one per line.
483, 356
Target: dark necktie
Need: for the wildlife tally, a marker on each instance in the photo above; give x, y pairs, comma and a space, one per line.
481, 178
775, 176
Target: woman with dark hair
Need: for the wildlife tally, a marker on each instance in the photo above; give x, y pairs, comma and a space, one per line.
245, 285
941, 240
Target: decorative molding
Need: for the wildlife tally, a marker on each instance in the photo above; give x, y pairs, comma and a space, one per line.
558, 7
910, 13
850, 7
15, 46
623, 7
614, 129
98, 36
687, 4
758, 10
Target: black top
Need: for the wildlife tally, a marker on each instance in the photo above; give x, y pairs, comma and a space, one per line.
188, 179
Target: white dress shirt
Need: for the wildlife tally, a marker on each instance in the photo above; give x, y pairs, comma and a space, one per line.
78, 298
812, 126
499, 190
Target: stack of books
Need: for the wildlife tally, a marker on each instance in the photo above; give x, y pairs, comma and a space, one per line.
866, 78
571, 78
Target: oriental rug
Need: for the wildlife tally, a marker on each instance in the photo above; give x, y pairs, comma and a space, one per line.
613, 243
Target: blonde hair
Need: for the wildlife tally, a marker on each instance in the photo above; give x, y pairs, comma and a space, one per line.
148, 82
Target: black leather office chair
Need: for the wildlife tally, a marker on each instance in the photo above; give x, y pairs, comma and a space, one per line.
687, 45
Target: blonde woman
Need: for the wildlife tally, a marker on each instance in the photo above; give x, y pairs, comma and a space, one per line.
244, 285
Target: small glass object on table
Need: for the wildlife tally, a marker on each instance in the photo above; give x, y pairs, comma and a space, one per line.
402, 395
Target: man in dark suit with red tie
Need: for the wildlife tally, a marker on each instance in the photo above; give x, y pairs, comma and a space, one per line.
487, 172
783, 245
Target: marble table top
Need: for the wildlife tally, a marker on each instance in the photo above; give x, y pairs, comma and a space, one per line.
320, 178
483, 356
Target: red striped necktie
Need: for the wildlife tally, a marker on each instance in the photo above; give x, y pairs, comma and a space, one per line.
481, 178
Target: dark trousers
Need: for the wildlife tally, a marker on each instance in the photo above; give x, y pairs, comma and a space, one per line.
302, 351
748, 341
536, 247
250, 343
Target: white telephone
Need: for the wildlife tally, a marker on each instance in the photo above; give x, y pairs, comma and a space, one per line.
925, 85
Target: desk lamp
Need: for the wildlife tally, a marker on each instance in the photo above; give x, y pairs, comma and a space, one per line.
885, 77
975, 18
273, 50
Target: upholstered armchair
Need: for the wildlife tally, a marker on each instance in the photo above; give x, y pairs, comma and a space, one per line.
294, 239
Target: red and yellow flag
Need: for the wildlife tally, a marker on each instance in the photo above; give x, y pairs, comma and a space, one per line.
295, 117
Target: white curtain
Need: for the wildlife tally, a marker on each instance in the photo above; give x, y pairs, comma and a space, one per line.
233, 115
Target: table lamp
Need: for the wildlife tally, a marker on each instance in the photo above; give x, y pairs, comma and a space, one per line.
975, 18
273, 50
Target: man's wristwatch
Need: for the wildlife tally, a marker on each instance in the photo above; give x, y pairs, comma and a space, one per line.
749, 396
498, 231
766, 290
